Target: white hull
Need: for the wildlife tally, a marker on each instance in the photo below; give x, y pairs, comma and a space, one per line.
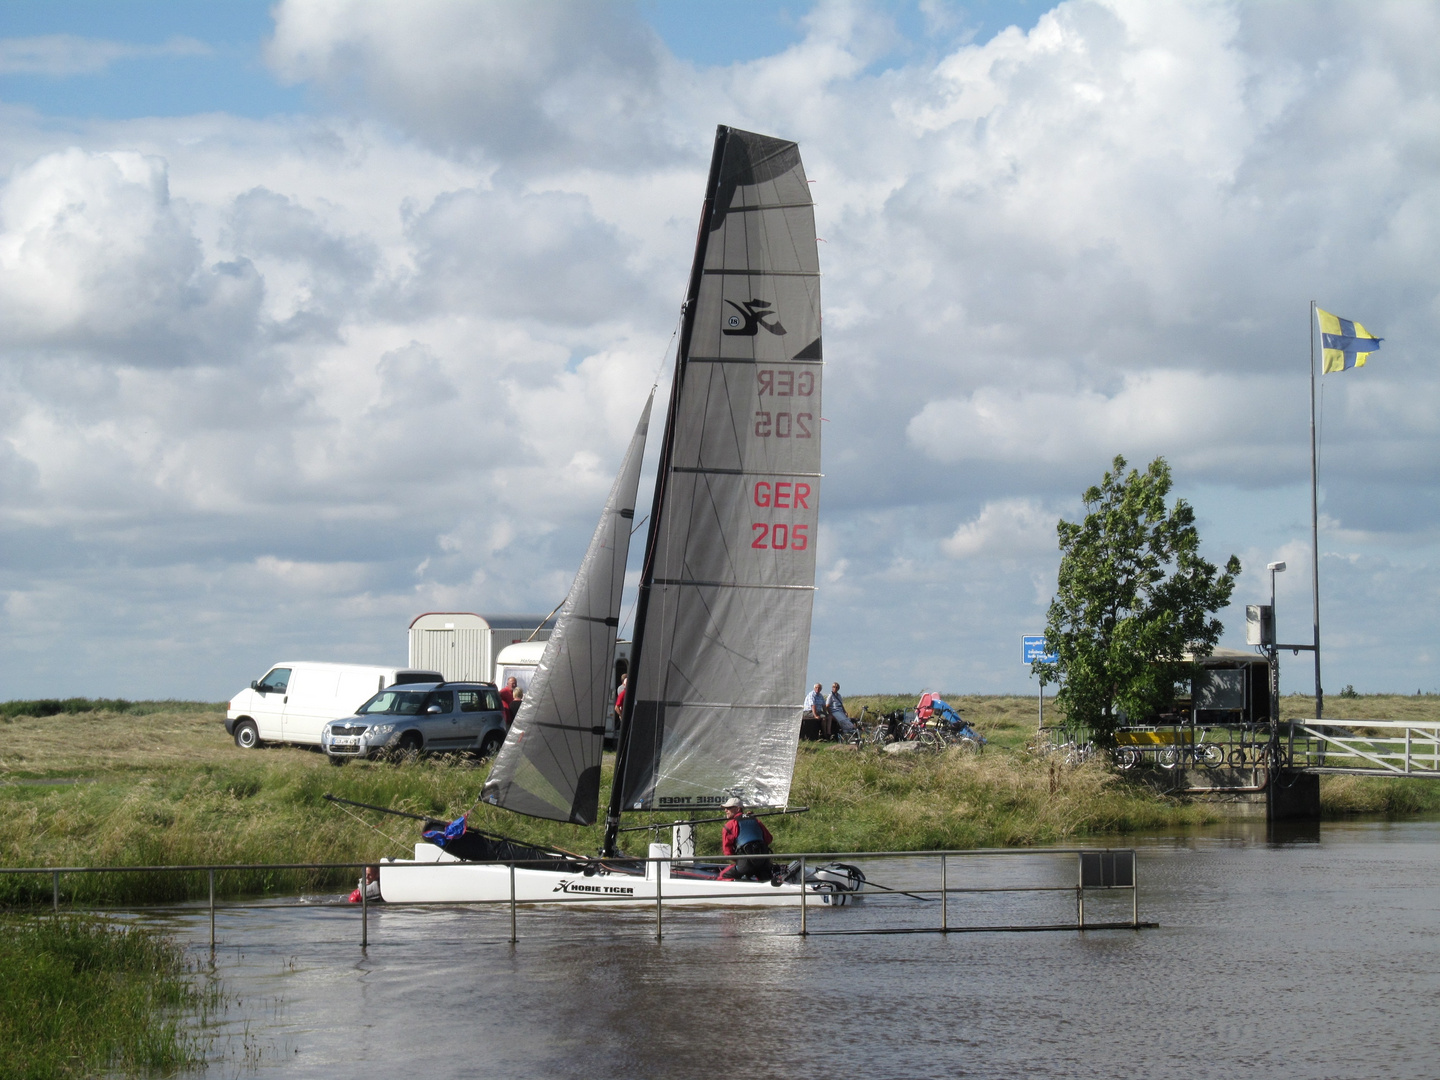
436, 877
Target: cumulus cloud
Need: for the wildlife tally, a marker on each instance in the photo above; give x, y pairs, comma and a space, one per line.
1007, 529
284, 383
542, 81
95, 256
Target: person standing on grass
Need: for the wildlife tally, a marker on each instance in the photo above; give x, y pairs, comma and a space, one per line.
815, 707
620, 699
507, 699
835, 706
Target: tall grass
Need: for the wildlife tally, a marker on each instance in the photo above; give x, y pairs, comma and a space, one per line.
169, 788
82, 998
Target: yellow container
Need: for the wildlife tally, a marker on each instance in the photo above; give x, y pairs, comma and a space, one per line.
1152, 737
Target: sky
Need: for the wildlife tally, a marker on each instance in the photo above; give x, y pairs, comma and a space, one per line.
321, 314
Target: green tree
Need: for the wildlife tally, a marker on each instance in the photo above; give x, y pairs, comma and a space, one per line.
1134, 597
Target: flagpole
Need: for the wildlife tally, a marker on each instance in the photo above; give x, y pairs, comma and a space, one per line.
1315, 527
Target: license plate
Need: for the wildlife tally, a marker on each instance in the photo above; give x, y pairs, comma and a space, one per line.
345, 740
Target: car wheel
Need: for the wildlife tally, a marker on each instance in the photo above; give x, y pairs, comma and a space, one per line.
408, 748
490, 745
247, 735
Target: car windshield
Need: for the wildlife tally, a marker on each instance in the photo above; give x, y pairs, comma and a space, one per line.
396, 703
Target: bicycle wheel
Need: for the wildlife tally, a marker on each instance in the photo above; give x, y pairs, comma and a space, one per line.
1127, 757
1167, 758
1211, 756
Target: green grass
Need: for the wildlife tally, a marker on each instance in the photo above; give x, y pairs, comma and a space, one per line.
168, 787
82, 998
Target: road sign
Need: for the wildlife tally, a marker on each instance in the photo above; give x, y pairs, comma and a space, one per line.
1034, 649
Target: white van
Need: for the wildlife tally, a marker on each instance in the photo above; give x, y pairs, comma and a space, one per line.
519, 662
295, 699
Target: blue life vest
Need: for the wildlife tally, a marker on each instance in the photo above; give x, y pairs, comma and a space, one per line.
749, 832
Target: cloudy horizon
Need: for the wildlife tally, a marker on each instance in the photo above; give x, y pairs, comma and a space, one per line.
321, 317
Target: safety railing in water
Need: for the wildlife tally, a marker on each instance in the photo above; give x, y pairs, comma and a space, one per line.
1102, 871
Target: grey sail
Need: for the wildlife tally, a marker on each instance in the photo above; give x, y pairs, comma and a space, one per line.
730, 568
549, 765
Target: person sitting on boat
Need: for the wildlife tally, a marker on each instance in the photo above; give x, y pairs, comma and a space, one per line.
835, 706
745, 834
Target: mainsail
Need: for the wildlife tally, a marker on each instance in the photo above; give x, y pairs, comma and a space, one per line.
723, 619
549, 766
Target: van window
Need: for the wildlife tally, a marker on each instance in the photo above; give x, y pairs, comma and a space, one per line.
445, 699
276, 681
492, 701
470, 701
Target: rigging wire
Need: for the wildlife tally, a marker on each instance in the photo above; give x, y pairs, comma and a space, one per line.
398, 843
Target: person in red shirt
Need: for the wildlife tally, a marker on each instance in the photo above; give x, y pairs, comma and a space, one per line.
507, 699
745, 834
620, 698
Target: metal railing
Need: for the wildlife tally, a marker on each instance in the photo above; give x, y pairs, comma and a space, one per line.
1387, 747
1097, 870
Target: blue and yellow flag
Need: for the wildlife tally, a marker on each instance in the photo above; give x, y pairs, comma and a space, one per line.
1344, 344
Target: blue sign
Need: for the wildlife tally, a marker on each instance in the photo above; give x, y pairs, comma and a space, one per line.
1034, 649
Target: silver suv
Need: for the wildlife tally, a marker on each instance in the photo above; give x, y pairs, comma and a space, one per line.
420, 717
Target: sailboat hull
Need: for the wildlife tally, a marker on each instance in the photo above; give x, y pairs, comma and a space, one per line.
435, 877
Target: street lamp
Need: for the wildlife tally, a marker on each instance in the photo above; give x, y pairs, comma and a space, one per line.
1275, 568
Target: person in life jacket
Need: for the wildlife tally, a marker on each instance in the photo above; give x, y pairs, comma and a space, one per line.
745, 834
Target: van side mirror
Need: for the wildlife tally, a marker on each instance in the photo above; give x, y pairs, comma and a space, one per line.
433, 710
255, 685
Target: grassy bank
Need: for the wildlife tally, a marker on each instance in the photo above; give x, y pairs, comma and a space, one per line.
167, 787
82, 998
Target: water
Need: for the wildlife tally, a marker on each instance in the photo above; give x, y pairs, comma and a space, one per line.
1300, 959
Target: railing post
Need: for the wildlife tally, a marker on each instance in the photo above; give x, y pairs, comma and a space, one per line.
1080, 891
513, 938
212, 909
944, 897
56, 893
803, 930
365, 907
657, 866
1134, 891
1407, 749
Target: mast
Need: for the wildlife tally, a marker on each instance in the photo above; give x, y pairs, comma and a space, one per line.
667, 445
1315, 527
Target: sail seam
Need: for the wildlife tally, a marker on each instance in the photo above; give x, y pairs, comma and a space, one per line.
728, 584
762, 273
723, 705
742, 472
744, 360
770, 206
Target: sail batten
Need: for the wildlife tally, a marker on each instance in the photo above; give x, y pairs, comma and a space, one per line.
549, 765
723, 626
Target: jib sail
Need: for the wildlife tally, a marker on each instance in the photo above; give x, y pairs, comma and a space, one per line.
549, 766
723, 622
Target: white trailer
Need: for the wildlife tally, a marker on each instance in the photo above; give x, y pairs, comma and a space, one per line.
520, 661
463, 646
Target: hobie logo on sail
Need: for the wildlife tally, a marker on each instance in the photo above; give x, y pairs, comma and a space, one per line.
749, 318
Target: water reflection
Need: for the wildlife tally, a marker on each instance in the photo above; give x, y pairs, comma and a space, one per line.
1290, 953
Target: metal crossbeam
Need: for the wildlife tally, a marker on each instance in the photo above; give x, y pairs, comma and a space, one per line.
1391, 747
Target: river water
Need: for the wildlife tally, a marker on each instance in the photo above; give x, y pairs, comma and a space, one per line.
1315, 954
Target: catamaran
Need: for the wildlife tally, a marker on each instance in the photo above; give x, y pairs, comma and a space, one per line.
722, 619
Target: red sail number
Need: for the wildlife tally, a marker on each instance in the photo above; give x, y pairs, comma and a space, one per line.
780, 537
